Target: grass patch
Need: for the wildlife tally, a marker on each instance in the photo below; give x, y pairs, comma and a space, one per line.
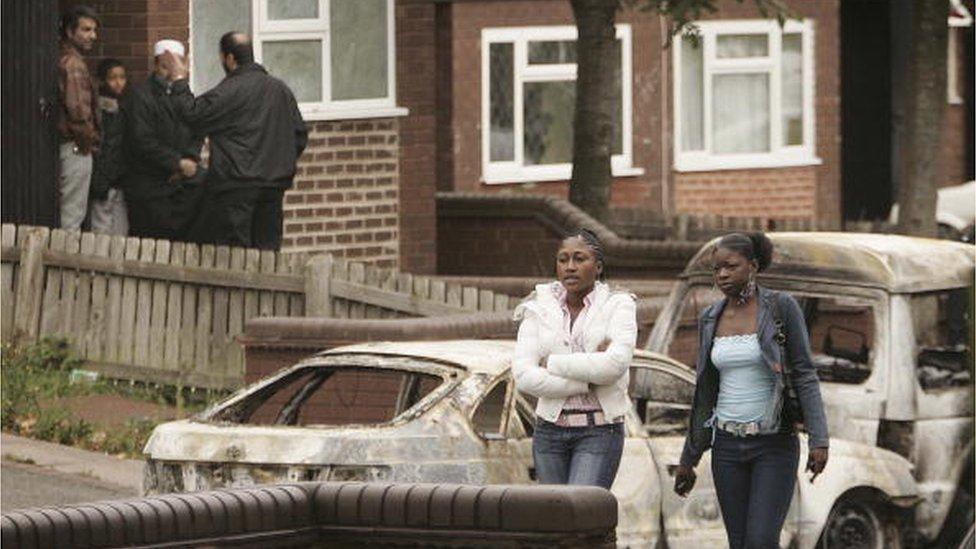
35, 377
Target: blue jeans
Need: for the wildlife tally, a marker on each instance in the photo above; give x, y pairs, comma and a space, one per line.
754, 480
577, 455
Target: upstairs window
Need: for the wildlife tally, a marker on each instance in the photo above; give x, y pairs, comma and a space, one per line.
529, 99
743, 93
337, 56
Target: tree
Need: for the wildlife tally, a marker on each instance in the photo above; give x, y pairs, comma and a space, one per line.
922, 115
593, 122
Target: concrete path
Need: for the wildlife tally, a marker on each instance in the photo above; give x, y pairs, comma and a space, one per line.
23, 486
122, 473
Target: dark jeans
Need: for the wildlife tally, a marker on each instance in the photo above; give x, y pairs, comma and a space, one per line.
577, 455
249, 217
754, 480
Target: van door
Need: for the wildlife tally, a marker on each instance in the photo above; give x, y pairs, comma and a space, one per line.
848, 344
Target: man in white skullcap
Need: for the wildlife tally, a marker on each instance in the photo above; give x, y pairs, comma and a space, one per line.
163, 155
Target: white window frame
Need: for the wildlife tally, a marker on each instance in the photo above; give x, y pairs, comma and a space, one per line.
959, 18
266, 30
514, 171
779, 155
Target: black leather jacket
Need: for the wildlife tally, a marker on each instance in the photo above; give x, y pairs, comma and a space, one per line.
801, 368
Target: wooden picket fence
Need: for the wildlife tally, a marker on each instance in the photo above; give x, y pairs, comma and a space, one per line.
169, 312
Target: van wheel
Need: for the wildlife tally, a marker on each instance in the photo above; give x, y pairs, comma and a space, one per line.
857, 524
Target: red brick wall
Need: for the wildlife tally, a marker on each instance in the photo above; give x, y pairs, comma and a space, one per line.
651, 119
779, 193
496, 247
345, 196
954, 133
416, 58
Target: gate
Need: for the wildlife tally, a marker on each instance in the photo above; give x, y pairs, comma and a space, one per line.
29, 104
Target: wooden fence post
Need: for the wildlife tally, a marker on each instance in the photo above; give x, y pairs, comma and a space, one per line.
30, 286
318, 286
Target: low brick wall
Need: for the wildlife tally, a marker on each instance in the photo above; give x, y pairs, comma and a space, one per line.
517, 235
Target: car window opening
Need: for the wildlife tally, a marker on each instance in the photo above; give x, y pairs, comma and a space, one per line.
487, 418
943, 324
841, 337
332, 396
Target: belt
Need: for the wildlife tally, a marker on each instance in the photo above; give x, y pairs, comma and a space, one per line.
738, 428
583, 418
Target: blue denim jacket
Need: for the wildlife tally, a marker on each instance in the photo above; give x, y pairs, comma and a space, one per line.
801, 367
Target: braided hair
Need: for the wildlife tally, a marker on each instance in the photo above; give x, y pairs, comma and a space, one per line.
592, 242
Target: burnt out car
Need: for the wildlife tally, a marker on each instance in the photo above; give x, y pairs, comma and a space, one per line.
447, 412
890, 323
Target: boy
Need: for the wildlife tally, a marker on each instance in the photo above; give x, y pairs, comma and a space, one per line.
108, 212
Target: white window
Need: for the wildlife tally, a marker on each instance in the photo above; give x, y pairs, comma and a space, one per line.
959, 19
743, 94
337, 56
528, 98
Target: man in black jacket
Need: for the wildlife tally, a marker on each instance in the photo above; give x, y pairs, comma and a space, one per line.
256, 136
162, 190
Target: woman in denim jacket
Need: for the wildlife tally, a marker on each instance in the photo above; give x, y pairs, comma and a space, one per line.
575, 343
738, 404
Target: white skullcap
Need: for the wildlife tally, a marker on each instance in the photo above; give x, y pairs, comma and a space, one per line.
174, 46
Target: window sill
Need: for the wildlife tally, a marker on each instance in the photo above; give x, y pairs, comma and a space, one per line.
541, 174
743, 162
311, 115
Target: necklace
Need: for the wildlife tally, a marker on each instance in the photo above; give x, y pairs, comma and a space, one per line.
747, 292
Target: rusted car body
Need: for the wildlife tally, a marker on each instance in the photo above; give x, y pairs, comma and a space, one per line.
890, 322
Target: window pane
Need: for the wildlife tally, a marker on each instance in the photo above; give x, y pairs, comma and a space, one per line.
293, 9
740, 113
548, 112
792, 89
299, 64
692, 96
742, 45
210, 20
501, 102
547, 52
359, 49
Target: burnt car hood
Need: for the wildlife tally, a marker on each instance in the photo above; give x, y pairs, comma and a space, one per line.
193, 441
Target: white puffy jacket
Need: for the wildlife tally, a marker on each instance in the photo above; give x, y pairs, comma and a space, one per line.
613, 316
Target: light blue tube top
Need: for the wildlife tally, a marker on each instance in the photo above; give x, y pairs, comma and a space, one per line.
745, 382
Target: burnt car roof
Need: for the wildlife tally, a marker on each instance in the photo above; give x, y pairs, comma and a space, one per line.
899, 264
481, 356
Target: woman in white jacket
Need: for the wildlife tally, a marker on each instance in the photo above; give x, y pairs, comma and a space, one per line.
575, 343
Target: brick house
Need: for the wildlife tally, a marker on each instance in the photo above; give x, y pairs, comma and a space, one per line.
364, 188
405, 98
747, 123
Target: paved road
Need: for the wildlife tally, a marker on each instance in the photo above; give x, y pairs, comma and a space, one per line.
23, 485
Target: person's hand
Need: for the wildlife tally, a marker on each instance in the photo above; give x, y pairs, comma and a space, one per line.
816, 461
172, 65
604, 345
188, 167
684, 480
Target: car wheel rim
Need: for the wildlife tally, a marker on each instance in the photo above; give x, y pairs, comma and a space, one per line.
853, 527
